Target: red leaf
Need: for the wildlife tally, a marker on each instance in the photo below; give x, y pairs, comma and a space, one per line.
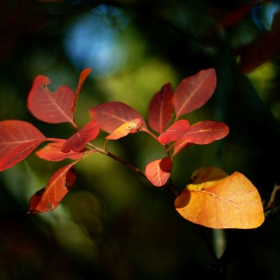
49, 197
17, 141
52, 152
206, 132
174, 132
51, 107
236, 15
194, 91
126, 128
111, 115
79, 140
161, 109
179, 145
82, 79
158, 171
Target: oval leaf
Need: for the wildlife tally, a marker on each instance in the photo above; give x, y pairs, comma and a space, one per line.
125, 129
174, 132
158, 171
194, 91
161, 109
18, 139
231, 202
49, 197
111, 115
52, 152
206, 132
51, 107
179, 145
79, 140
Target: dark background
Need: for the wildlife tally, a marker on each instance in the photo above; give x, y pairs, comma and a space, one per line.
114, 224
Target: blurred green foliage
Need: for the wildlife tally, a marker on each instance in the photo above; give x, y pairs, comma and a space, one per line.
114, 224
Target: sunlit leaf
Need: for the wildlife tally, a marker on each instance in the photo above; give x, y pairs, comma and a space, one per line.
206, 132
230, 202
17, 140
158, 171
82, 79
79, 140
194, 91
52, 152
161, 109
126, 128
111, 115
174, 132
51, 107
49, 197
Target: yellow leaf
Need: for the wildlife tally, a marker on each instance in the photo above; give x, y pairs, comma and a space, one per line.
229, 202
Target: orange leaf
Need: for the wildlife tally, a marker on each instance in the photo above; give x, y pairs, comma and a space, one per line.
82, 79
230, 202
158, 171
49, 197
126, 128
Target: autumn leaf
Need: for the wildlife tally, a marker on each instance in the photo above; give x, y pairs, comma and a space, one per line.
179, 145
49, 197
82, 79
18, 139
111, 115
52, 152
161, 109
229, 202
158, 171
174, 132
194, 91
205, 132
79, 140
126, 128
51, 107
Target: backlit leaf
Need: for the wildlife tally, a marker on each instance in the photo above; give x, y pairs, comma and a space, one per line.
206, 132
230, 202
158, 171
161, 109
111, 115
49, 197
79, 140
51, 107
82, 79
126, 128
179, 145
174, 132
194, 91
17, 140
52, 152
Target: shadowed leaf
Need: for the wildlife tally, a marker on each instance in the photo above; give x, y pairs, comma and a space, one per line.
18, 139
230, 202
161, 109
